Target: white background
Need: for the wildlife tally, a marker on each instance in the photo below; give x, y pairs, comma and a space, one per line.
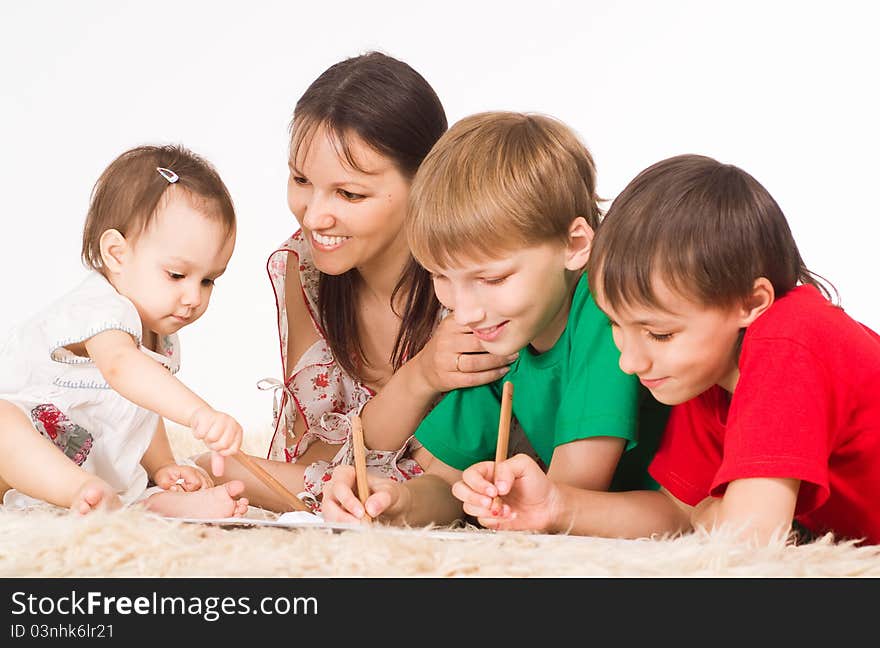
786, 90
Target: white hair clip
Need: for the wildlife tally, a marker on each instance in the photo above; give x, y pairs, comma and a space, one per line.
168, 174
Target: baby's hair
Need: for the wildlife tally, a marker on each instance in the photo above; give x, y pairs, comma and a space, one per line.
498, 181
708, 230
130, 190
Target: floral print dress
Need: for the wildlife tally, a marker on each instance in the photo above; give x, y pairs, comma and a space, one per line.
319, 390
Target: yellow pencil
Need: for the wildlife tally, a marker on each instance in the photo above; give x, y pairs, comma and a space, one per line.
360, 462
503, 430
273, 484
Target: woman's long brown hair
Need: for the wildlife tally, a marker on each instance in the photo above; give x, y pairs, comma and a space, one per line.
390, 107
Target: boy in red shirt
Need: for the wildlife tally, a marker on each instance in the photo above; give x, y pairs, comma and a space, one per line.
776, 390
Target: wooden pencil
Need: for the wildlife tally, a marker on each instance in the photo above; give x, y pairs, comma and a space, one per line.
273, 484
503, 431
360, 462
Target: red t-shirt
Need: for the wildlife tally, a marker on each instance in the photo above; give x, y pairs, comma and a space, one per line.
807, 407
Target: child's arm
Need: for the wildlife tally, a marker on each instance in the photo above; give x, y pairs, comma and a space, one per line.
759, 508
417, 502
532, 501
453, 358
149, 385
586, 463
159, 453
141, 380
162, 467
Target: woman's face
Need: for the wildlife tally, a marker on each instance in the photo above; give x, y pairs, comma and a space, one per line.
351, 218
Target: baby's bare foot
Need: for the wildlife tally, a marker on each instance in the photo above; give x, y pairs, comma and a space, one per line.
229, 494
217, 502
93, 495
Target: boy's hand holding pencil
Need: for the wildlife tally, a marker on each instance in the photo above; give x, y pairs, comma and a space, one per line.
507, 493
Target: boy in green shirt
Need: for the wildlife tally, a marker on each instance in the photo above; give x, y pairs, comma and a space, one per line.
502, 213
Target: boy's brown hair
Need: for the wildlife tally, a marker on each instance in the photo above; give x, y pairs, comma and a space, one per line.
129, 191
708, 229
498, 181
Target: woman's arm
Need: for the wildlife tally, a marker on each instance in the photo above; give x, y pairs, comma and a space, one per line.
148, 384
394, 413
428, 499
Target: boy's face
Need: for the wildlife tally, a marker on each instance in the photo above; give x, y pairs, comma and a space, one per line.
678, 351
512, 302
168, 271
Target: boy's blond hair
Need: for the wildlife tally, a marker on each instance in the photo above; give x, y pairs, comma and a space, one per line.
498, 181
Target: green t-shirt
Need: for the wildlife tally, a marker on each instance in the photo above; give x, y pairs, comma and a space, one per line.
575, 390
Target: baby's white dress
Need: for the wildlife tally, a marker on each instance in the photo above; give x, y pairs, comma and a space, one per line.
65, 396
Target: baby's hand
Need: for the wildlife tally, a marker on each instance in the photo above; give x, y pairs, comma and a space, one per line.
192, 479
220, 432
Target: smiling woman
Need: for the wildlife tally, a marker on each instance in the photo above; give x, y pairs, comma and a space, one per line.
358, 135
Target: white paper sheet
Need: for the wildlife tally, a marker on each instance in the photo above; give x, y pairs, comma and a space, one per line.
259, 517
256, 517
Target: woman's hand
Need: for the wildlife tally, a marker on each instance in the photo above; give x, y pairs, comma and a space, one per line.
339, 503
455, 358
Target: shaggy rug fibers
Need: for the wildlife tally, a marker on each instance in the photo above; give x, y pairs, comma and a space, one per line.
132, 543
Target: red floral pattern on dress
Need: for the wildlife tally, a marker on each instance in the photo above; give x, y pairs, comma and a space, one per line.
320, 390
73, 440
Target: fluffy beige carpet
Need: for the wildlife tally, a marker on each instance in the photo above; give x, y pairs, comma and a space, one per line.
134, 544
